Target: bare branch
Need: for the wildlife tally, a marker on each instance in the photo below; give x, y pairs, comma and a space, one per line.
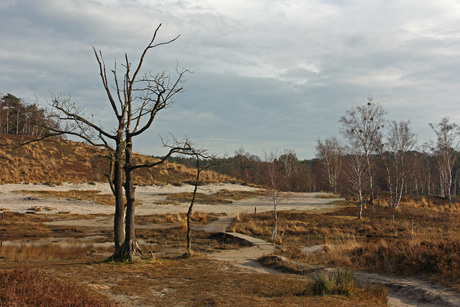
150, 46
74, 115
164, 92
103, 74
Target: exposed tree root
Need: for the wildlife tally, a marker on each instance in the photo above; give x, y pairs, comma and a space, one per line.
128, 252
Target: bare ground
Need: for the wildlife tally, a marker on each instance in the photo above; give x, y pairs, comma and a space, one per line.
403, 292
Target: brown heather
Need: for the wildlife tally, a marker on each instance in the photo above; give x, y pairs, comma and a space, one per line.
424, 238
27, 287
57, 160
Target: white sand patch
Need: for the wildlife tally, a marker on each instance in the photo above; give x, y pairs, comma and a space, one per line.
149, 196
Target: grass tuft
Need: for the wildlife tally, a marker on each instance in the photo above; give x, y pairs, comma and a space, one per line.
340, 282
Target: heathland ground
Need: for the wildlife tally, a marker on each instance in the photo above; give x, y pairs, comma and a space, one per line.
56, 235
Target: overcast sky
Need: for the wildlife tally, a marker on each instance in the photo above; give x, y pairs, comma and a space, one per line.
268, 75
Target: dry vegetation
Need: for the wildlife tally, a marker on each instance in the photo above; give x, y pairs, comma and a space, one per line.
16, 225
221, 197
165, 280
26, 287
196, 281
423, 239
90, 195
57, 160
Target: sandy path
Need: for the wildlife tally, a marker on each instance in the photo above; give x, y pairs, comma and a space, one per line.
403, 292
246, 257
411, 291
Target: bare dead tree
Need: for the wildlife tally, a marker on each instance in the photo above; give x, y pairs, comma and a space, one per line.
154, 93
135, 100
203, 161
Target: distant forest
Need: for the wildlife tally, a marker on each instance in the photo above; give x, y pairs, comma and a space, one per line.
19, 118
423, 177
378, 162
379, 158
251, 169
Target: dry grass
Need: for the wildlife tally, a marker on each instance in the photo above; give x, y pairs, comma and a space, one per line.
329, 195
26, 287
44, 251
89, 195
220, 197
423, 239
51, 160
56, 160
196, 217
168, 279
16, 225
171, 242
194, 281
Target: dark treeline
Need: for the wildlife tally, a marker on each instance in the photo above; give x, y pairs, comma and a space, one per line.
423, 176
296, 175
19, 118
375, 160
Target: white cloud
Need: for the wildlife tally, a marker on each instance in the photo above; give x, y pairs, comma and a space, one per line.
266, 74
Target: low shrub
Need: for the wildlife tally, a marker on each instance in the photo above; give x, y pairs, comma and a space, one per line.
441, 258
25, 287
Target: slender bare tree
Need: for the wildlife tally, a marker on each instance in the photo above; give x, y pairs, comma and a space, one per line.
243, 161
446, 151
357, 173
400, 141
203, 161
330, 153
294, 171
276, 182
361, 126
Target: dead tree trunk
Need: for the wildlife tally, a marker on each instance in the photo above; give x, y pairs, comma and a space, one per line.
189, 212
275, 215
119, 217
130, 247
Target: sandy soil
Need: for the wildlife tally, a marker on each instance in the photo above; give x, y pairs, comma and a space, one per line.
402, 292
148, 195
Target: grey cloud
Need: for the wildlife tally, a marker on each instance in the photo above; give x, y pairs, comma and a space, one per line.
265, 76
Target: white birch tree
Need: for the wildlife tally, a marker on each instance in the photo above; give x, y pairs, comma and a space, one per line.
362, 127
400, 141
330, 153
446, 151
